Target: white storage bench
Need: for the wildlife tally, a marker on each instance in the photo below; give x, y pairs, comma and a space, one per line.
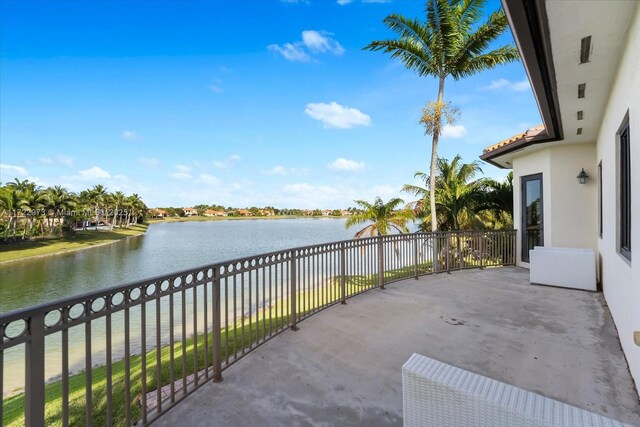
565, 267
436, 394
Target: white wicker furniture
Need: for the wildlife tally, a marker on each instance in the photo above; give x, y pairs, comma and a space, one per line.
565, 267
437, 394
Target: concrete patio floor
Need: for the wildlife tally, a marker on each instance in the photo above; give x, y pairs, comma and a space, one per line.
343, 367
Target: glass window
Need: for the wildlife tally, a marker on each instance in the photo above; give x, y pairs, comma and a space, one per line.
625, 191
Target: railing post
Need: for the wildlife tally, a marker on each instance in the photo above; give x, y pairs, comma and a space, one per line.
380, 263
415, 254
217, 339
294, 292
343, 274
34, 372
447, 259
514, 247
435, 267
481, 245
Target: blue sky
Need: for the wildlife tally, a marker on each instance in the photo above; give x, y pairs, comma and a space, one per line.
236, 103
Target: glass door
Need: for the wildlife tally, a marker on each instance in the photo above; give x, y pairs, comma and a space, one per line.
532, 218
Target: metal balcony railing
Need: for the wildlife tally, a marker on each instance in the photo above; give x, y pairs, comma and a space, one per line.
127, 354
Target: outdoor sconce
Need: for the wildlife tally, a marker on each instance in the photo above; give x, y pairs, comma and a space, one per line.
582, 177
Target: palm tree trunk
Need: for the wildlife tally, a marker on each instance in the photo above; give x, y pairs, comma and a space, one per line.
434, 157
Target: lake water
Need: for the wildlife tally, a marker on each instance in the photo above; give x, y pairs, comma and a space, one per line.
166, 247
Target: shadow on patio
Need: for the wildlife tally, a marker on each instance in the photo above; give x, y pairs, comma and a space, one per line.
343, 367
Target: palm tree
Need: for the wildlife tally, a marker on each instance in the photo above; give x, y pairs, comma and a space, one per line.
458, 195
118, 199
98, 196
449, 43
10, 202
60, 201
383, 217
32, 200
498, 203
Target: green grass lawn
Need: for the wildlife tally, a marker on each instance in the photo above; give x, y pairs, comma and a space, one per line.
14, 405
80, 240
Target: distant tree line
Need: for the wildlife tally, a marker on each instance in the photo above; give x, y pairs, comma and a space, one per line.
28, 210
216, 210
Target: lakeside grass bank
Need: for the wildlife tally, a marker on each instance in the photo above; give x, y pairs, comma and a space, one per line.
80, 240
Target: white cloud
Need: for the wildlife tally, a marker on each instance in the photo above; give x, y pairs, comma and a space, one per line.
457, 131
228, 162
215, 88
334, 115
207, 179
60, 159
281, 170
343, 2
13, 170
130, 135
64, 160
319, 41
384, 191
180, 175
183, 168
93, 173
343, 164
149, 161
310, 190
276, 170
121, 178
290, 51
313, 42
502, 83
182, 172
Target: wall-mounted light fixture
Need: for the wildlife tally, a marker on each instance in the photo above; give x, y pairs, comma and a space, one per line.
582, 177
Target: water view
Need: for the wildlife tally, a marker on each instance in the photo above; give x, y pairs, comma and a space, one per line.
165, 248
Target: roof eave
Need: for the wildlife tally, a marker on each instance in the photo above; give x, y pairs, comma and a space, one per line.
529, 25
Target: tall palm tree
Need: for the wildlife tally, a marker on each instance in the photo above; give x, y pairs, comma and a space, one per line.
458, 194
118, 199
59, 203
11, 203
32, 200
98, 195
449, 43
498, 203
382, 218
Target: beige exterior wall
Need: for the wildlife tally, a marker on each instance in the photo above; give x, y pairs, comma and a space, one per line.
620, 277
569, 209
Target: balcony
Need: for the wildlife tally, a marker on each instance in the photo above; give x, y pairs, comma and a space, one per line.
343, 366
242, 320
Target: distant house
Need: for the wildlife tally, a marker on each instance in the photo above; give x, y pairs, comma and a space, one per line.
158, 213
266, 212
326, 212
244, 212
190, 211
576, 177
211, 212
345, 212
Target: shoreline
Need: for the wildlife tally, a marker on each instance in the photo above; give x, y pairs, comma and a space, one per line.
74, 249
237, 218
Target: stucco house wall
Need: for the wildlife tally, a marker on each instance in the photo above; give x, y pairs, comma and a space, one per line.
569, 209
621, 277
